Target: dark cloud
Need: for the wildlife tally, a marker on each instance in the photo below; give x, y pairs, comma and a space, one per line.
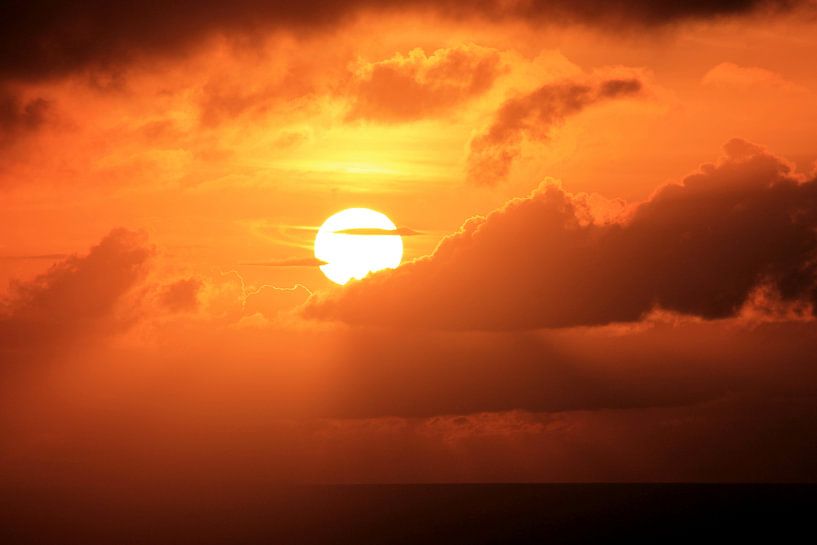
405, 88
532, 116
42, 38
76, 296
19, 115
182, 295
701, 247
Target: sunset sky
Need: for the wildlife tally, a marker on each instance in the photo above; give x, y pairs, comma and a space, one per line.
608, 213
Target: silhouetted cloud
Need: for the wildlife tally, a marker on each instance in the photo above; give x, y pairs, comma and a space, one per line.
532, 116
701, 247
345, 401
75, 296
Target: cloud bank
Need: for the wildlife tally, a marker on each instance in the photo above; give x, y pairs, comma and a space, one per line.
197, 396
702, 247
59, 38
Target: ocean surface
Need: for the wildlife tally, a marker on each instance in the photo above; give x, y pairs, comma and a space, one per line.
428, 514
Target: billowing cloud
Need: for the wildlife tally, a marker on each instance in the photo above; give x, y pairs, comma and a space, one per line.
532, 116
60, 38
701, 247
374, 372
405, 88
76, 296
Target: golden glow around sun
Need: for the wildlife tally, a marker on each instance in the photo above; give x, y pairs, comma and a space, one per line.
355, 242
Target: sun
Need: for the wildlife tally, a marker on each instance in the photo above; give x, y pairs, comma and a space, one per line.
355, 242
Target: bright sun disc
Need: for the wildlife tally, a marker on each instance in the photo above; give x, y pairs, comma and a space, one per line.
351, 244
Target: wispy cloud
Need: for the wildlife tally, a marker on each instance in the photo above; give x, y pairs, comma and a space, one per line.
402, 231
288, 262
33, 257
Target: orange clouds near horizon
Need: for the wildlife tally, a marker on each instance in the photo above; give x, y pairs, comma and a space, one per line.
608, 215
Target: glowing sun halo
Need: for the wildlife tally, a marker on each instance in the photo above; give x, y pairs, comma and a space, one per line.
354, 242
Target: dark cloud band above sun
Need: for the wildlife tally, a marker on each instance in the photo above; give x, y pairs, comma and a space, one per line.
532, 116
44, 38
702, 248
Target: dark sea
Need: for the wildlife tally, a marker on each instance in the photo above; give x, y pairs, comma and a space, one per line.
432, 514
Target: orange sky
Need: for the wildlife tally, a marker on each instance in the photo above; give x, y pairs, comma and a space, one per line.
613, 278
